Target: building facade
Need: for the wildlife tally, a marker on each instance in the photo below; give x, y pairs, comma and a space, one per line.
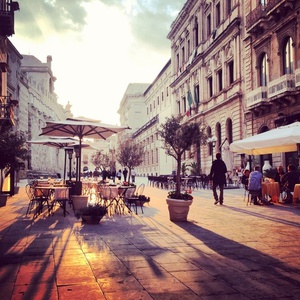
272, 70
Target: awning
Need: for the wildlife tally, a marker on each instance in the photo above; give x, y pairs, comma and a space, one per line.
281, 139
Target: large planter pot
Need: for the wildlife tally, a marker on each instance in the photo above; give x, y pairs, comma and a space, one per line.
3, 199
178, 209
79, 202
91, 219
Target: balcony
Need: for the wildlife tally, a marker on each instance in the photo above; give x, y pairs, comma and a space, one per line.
281, 85
7, 9
7, 113
258, 19
257, 97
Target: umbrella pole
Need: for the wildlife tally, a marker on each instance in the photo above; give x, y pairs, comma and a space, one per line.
65, 165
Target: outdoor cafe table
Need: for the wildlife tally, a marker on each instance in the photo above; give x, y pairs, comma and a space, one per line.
271, 189
52, 194
118, 195
296, 195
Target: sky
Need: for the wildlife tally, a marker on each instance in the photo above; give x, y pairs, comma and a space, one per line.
98, 47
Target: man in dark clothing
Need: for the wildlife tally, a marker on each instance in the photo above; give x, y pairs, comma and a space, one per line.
288, 181
218, 177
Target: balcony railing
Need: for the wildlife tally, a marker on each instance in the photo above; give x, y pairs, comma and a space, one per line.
255, 15
285, 83
257, 96
7, 113
7, 9
262, 12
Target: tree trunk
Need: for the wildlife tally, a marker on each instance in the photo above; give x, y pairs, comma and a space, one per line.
178, 176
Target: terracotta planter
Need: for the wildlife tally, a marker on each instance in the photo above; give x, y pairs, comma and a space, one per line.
91, 219
3, 199
178, 209
79, 202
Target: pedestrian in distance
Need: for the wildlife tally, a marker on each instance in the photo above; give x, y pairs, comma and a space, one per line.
217, 177
125, 172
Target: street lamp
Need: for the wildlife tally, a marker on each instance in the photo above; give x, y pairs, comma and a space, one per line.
212, 142
77, 154
69, 151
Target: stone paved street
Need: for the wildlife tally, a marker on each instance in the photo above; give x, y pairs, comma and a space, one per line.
232, 251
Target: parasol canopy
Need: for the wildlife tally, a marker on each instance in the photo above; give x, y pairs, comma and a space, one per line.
281, 139
81, 128
57, 142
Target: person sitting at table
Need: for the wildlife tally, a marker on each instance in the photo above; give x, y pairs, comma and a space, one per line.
245, 178
288, 181
277, 177
254, 186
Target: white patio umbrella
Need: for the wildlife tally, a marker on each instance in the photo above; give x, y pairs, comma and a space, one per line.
81, 128
57, 142
281, 139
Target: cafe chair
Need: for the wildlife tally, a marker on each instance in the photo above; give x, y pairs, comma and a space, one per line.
133, 200
37, 200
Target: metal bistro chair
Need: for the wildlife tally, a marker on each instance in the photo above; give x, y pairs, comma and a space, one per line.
36, 199
134, 200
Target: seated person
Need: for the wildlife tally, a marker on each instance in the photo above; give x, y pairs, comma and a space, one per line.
255, 180
288, 182
245, 178
278, 176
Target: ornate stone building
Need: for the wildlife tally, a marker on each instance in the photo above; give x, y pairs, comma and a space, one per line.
272, 70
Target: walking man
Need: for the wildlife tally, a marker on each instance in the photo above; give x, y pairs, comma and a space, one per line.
217, 177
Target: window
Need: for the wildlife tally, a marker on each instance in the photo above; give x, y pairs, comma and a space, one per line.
218, 14
177, 61
196, 30
162, 96
231, 72
184, 104
210, 86
228, 7
208, 24
288, 57
196, 93
220, 80
183, 54
158, 100
264, 74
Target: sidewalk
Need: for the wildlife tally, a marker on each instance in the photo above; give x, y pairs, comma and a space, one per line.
232, 251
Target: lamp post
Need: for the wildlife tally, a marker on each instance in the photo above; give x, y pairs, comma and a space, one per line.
77, 154
69, 151
212, 142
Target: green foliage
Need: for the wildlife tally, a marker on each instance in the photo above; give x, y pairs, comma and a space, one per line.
195, 168
13, 150
270, 173
93, 210
181, 196
130, 155
100, 160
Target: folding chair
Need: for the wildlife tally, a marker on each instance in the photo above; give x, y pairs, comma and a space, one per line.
134, 199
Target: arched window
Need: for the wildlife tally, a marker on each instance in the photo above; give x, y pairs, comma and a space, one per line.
264, 71
288, 57
229, 131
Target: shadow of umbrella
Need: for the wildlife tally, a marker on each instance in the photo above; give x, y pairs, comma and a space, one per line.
57, 142
81, 128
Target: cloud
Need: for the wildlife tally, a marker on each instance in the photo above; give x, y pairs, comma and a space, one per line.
150, 20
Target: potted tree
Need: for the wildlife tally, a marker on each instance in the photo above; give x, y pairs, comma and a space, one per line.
177, 139
12, 152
